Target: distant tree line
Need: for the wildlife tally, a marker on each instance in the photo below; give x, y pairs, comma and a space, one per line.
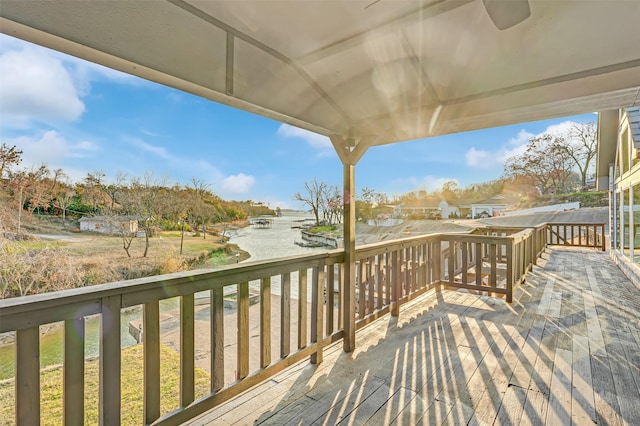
44, 191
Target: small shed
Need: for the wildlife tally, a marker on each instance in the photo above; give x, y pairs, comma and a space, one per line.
110, 224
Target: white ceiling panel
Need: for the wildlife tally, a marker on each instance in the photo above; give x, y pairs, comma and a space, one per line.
387, 70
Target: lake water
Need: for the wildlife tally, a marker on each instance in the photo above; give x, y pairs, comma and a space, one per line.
262, 244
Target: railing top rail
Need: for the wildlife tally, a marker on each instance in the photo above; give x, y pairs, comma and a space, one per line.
575, 224
71, 303
87, 300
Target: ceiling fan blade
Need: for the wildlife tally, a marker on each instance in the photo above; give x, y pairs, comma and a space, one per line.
507, 13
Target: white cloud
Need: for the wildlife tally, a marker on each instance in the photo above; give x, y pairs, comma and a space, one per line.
51, 147
433, 183
43, 85
516, 145
147, 147
521, 138
430, 183
313, 139
239, 183
36, 87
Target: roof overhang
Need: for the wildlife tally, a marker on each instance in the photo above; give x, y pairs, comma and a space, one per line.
370, 72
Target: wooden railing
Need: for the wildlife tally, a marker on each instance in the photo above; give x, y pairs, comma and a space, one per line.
577, 235
489, 260
24, 316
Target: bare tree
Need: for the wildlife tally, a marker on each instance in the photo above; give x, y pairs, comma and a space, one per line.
9, 156
333, 205
545, 162
582, 147
314, 197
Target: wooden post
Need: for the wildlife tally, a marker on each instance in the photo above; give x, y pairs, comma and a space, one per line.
349, 341
350, 150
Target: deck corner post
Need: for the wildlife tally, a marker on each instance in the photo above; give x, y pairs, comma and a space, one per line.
350, 150
349, 341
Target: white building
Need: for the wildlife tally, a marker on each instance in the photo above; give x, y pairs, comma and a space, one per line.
110, 224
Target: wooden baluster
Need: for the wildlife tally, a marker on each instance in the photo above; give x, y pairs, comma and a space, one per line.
387, 278
151, 365
430, 263
479, 262
285, 315
361, 289
317, 335
379, 278
110, 362
452, 258
27, 385
437, 261
414, 268
265, 322
510, 270
492, 262
341, 297
73, 381
370, 286
217, 337
395, 284
406, 277
329, 302
302, 308
187, 349
243, 330
465, 262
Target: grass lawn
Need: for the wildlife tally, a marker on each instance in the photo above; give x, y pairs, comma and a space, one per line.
132, 389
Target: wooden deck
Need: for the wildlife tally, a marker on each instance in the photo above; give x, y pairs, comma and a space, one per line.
567, 351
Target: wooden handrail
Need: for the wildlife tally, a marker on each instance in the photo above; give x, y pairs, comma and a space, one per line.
491, 260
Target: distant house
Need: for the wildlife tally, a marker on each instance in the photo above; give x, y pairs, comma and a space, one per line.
492, 206
110, 224
429, 207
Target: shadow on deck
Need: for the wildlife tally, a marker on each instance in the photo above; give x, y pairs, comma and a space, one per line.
567, 350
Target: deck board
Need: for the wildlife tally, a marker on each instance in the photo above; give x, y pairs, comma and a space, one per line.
566, 351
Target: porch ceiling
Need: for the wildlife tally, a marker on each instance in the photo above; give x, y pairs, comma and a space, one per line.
384, 71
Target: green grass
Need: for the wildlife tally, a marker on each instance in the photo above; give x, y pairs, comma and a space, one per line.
132, 389
323, 229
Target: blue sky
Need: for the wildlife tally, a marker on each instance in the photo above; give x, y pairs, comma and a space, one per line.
82, 117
